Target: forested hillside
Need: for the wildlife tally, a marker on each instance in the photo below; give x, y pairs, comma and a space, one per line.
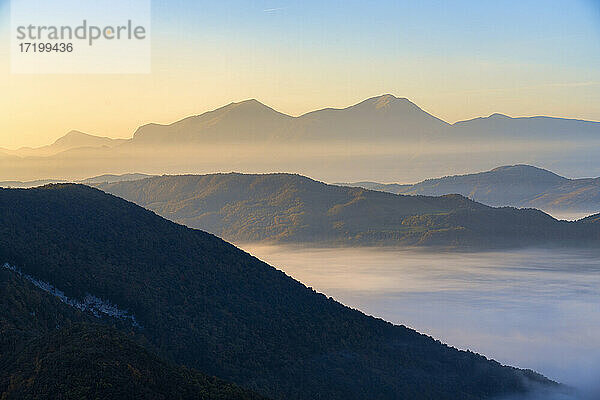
294, 209
203, 303
511, 185
48, 348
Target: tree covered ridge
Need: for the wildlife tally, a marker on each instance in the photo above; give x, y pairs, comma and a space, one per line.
49, 349
208, 305
291, 208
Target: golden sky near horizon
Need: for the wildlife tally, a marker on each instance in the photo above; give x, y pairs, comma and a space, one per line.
192, 76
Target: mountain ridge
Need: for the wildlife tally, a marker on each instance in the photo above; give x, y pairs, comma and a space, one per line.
252, 112
108, 178
206, 304
390, 137
532, 127
513, 185
290, 208
385, 102
73, 139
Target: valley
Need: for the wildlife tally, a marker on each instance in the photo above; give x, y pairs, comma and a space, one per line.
532, 308
300, 200
205, 304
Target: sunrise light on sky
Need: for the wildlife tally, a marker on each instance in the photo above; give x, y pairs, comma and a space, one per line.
457, 60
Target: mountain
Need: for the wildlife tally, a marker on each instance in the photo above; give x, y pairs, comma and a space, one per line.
513, 185
384, 117
72, 140
98, 362
49, 347
28, 312
29, 184
75, 139
204, 303
502, 127
112, 178
106, 178
592, 219
246, 121
295, 209
381, 138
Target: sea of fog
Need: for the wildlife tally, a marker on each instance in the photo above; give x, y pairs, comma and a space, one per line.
537, 309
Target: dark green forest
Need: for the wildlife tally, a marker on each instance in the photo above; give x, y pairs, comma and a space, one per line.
51, 350
290, 208
203, 303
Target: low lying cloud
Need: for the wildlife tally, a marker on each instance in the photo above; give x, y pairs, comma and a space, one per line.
535, 309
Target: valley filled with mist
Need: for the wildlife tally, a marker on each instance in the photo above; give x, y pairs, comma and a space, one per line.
485, 282
457, 231
300, 200
534, 308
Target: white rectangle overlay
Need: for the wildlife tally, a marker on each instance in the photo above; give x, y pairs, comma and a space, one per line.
80, 36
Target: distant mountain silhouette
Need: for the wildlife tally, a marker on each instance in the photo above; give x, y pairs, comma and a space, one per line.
383, 117
295, 209
514, 185
245, 121
29, 184
75, 139
386, 133
202, 302
72, 140
106, 178
499, 126
111, 178
379, 118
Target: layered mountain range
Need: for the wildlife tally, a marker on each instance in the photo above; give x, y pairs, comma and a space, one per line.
384, 132
520, 186
513, 185
105, 178
72, 140
380, 118
294, 209
103, 299
383, 117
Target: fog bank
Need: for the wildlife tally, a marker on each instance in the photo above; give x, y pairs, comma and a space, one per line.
537, 309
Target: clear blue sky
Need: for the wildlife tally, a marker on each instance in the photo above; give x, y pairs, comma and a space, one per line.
534, 30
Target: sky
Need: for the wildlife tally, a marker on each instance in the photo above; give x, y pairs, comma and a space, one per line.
456, 60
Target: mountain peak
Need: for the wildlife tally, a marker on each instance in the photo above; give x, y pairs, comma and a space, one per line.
80, 139
248, 104
73, 135
388, 104
529, 173
387, 101
499, 116
245, 108
524, 167
244, 120
74, 132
